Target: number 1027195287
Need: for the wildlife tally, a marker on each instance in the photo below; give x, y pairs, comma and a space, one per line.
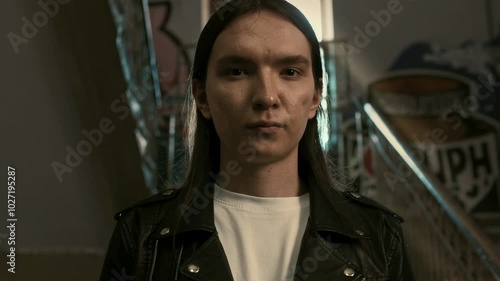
11, 191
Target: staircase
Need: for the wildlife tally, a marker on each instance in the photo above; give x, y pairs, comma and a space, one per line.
444, 241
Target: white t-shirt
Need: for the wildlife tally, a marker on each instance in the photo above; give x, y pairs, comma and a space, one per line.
261, 236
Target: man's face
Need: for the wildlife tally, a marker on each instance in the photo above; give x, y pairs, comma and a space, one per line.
259, 88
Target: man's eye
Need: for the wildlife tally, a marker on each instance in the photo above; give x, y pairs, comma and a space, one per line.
291, 72
235, 72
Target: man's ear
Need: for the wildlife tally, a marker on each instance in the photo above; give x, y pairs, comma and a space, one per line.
315, 103
200, 97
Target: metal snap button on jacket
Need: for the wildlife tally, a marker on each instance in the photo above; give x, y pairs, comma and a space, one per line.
165, 231
168, 192
193, 268
349, 272
359, 232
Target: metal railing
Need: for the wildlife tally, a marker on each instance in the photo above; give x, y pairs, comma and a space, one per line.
444, 241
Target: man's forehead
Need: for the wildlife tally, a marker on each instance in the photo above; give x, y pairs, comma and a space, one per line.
265, 34
246, 21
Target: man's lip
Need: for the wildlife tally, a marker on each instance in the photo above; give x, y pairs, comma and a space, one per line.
265, 124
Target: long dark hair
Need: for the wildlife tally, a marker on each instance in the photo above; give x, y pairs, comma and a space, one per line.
203, 144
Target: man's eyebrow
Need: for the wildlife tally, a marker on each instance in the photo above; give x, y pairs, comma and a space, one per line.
297, 59
233, 59
236, 59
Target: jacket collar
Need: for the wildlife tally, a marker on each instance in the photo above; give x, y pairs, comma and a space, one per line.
197, 214
330, 211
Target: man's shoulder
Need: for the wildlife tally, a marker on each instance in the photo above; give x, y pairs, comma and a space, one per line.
371, 205
150, 203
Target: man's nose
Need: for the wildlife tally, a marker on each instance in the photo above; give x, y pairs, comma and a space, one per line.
265, 93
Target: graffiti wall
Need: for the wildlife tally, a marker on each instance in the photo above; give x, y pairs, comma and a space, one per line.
433, 69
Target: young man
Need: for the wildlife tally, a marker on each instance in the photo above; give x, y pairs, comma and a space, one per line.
258, 201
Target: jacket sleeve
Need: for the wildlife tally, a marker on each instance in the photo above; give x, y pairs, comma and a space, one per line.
119, 261
400, 266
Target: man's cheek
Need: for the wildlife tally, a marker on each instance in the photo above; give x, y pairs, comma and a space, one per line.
221, 119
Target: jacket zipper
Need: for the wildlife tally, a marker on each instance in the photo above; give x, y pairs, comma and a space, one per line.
154, 261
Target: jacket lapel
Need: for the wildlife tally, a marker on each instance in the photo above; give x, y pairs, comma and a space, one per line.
325, 214
327, 247
320, 259
195, 215
209, 262
202, 256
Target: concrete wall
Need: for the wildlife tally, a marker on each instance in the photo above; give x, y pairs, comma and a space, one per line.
447, 22
62, 79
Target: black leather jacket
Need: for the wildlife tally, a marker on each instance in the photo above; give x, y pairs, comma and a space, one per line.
348, 237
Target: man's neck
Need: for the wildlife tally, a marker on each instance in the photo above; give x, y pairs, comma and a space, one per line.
277, 179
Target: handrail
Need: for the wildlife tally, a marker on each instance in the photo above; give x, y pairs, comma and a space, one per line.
482, 244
